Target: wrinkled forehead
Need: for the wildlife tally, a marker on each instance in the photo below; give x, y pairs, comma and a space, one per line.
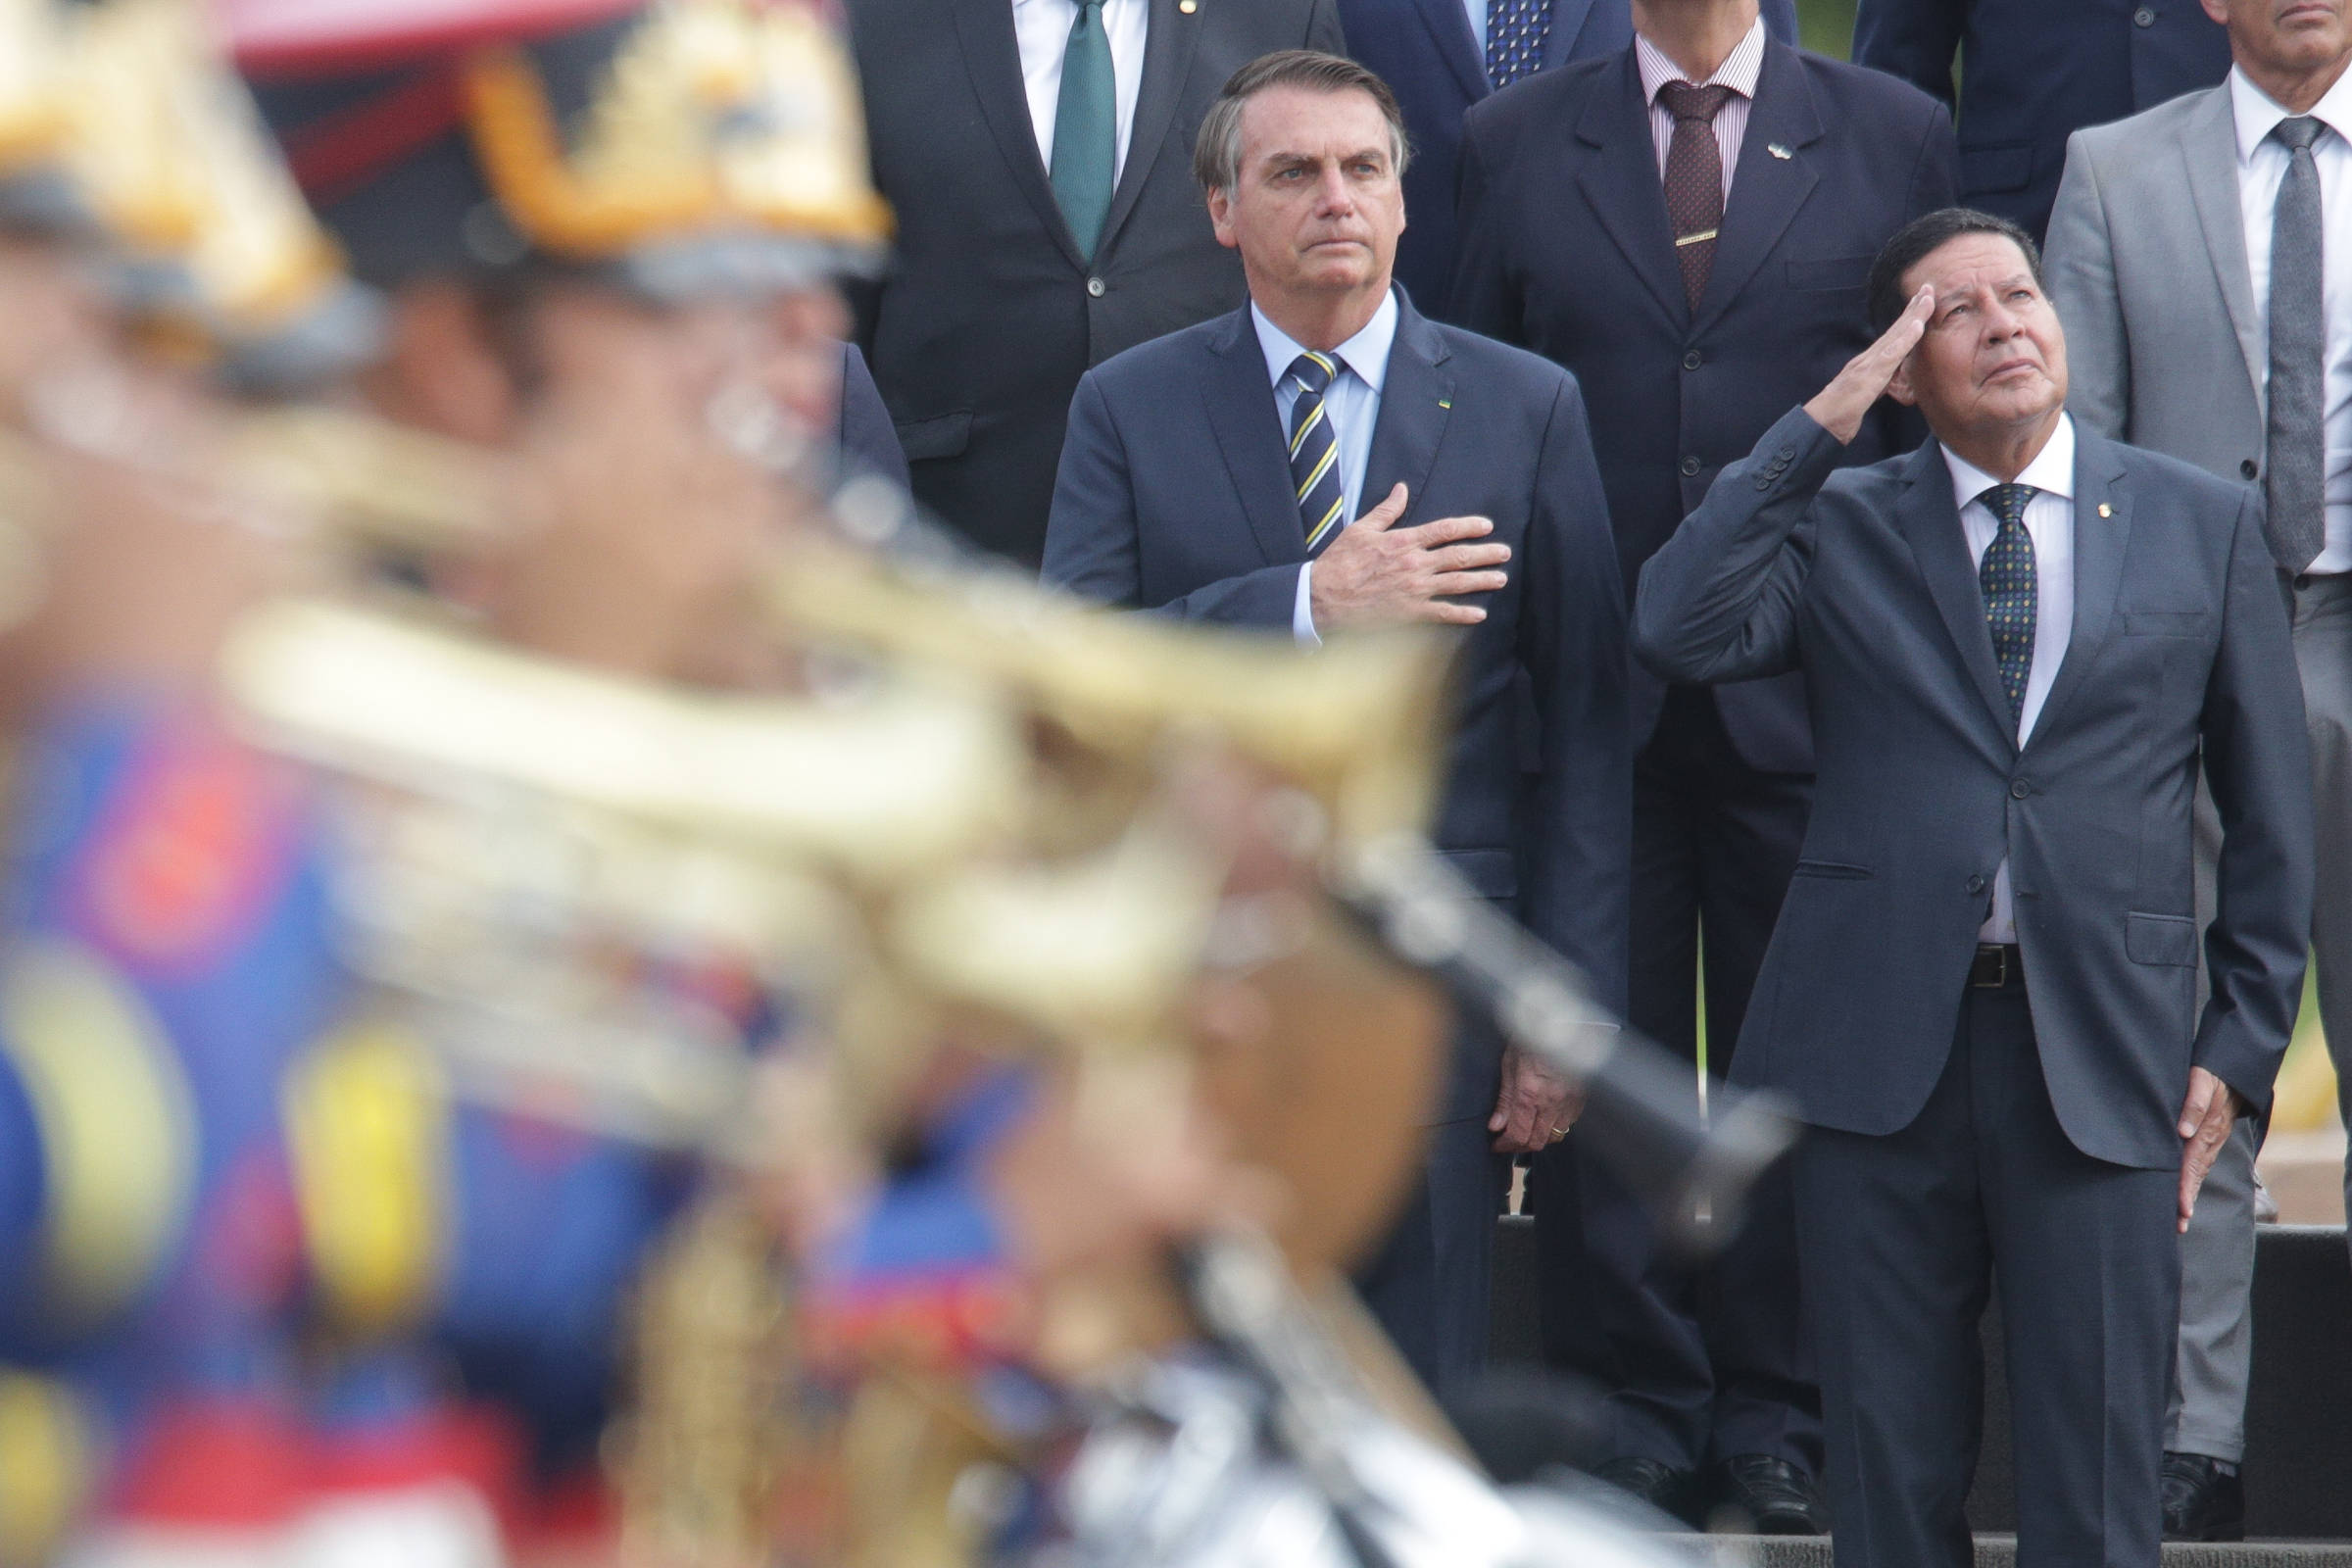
1970, 264
1287, 124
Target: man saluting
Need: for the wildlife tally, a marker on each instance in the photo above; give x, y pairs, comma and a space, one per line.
1980, 991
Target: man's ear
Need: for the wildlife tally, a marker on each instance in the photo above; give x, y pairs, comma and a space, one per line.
442, 369
2218, 10
1899, 388
1220, 218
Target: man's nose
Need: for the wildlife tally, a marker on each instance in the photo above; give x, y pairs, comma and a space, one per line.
1334, 194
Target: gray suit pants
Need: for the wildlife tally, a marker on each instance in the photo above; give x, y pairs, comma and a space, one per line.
2217, 1257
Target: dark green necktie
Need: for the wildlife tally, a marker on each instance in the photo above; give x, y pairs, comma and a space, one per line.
1086, 130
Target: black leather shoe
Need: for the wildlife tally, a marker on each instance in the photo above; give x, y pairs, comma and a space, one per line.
2204, 1499
1661, 1486
1759, 1495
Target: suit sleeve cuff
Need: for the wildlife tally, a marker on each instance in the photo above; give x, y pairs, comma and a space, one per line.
1302, 609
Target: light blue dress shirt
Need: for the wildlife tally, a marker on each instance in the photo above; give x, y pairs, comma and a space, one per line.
1477, 11
1351, 403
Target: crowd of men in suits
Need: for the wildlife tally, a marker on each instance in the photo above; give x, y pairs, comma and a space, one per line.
1840, 690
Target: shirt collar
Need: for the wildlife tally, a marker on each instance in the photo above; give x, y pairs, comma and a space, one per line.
1367, 353
2258, 114
2052, 471
1739, 71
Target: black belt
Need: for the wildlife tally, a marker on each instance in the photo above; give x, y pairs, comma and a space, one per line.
1997, 964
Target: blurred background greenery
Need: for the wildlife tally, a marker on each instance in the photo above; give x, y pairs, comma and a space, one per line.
1828, 26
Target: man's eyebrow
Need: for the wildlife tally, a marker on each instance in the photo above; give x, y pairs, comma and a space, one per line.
1283, 158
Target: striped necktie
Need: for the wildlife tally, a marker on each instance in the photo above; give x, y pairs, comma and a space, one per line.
2011, 591
1316, 451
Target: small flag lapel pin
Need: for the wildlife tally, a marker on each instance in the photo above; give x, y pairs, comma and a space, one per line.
1779, 150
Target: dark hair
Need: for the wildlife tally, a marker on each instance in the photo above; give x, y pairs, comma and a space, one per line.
1922, 237
1217, 151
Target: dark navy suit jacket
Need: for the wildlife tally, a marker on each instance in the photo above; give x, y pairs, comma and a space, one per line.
1175, 494
2035, 71
1427, 54
1863, 579
1566, 248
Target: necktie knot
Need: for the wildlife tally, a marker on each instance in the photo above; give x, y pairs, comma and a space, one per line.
1687, 103
1314, 372
2298, 131
2007, 501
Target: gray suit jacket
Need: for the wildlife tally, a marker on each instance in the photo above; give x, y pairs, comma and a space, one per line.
1861, 577
2147, 268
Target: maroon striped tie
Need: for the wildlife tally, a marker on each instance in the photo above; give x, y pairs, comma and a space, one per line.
1693, 179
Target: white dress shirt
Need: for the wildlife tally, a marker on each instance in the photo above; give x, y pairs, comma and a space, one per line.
1739, 71
2262, 163
1041, 29
2050, 524
1351, 403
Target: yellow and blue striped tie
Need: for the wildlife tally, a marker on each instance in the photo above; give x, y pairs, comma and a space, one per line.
2010, 583
1316, 451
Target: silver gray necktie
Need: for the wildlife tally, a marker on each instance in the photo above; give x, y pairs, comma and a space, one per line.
2296, 483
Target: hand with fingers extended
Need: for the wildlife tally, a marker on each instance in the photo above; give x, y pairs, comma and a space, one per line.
1376, 573
1840, 407
2208, 1112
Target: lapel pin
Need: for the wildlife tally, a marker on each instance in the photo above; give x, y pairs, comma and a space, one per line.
1445, 403
1779, 150
2106, 510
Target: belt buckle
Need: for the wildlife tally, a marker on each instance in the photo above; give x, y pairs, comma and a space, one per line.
1998, 954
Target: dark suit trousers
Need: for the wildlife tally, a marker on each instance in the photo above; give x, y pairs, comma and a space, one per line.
1427, 1283
1702, 1362
1901, 1237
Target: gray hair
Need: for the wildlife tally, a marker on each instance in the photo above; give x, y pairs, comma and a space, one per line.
1217, 153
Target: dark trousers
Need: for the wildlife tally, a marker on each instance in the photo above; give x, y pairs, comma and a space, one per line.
1702, 1362
1901, 1237
1428, 1285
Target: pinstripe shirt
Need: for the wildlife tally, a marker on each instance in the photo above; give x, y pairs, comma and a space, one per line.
1739, 71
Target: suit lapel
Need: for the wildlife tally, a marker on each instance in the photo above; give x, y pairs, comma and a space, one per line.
1449, 25
1622, 186
993, 58
2101, 542
1168, 44
1767, 188
1414, 402
1930, 523
1567, 24
2209, 150
1249, 431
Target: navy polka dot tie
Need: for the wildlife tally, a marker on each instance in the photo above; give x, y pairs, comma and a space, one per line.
1516, 30
2010, 602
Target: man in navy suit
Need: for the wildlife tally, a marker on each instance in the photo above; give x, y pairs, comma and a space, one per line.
1686, 226
1327, 457
2021, 640
2031, 73
1442, 55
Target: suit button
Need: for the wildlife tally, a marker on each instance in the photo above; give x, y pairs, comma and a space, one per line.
1976, 884
1093, 287
1691, 468
2143, 18
2019, 789
2247, 469
1693, 360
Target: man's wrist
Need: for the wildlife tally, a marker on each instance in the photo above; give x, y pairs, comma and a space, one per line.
1302, 609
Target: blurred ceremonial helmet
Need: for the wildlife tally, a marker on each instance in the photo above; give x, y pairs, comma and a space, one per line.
681, 149
122, 127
